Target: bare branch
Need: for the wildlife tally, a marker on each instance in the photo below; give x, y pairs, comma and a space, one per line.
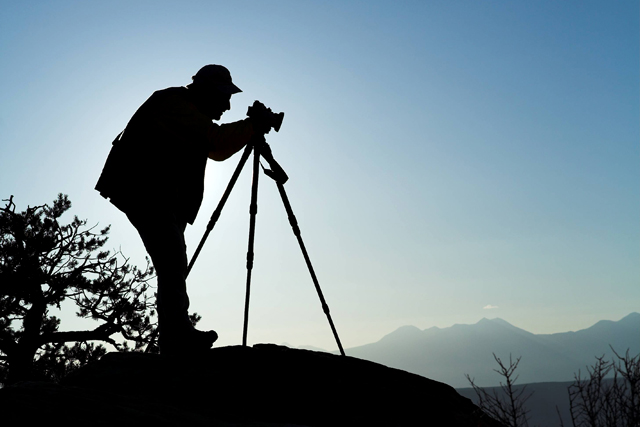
509, 407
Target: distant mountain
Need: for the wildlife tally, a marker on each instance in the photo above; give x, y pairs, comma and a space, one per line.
447, 354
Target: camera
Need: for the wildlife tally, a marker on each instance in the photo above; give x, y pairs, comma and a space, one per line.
264, 118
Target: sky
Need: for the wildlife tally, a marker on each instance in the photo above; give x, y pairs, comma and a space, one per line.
448, 161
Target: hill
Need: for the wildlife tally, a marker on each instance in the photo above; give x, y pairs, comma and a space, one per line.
264, 385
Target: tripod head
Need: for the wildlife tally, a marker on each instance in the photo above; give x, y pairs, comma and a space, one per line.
264, 120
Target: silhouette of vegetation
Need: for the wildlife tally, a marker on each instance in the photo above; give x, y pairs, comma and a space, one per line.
44, 263
601, 401
609, 396
508, 407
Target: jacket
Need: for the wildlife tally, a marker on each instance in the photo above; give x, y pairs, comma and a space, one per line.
159, 160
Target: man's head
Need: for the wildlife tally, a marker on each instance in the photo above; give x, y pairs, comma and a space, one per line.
215, 77
212, 88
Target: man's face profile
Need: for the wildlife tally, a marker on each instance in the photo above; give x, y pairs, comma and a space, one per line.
210, 101
216, 103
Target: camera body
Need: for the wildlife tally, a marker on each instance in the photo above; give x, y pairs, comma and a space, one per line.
264, 118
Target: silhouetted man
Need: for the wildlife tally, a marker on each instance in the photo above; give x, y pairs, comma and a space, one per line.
155, 175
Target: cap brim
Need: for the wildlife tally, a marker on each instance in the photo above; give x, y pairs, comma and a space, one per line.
228, 88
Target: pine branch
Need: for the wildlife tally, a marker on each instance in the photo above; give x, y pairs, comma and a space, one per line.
101, 333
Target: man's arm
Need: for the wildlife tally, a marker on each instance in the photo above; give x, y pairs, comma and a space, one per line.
229, 138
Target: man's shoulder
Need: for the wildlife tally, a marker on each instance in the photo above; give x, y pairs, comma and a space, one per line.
179, 92
168, 100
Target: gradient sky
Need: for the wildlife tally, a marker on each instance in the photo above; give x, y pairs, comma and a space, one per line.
444, 157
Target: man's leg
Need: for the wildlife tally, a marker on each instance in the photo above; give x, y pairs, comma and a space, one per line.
163, 237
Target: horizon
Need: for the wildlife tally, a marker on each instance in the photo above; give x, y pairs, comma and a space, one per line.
447, 161
475, 323
335, 350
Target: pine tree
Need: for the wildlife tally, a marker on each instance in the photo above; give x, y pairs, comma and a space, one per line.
43, 263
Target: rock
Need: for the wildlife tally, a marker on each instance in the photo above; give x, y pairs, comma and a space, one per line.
264, 385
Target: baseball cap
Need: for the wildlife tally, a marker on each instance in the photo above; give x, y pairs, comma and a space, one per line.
216, 76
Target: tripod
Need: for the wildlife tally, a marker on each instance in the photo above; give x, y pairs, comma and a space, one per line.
261, 149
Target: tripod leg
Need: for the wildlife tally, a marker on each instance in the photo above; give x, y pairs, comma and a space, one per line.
296, 231
253, 210
223, 200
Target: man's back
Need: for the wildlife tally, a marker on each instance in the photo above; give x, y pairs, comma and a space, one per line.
160, 158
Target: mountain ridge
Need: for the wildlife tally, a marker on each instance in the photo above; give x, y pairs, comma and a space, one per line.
446, 354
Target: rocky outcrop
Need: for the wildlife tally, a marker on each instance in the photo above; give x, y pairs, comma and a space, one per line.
264, 385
